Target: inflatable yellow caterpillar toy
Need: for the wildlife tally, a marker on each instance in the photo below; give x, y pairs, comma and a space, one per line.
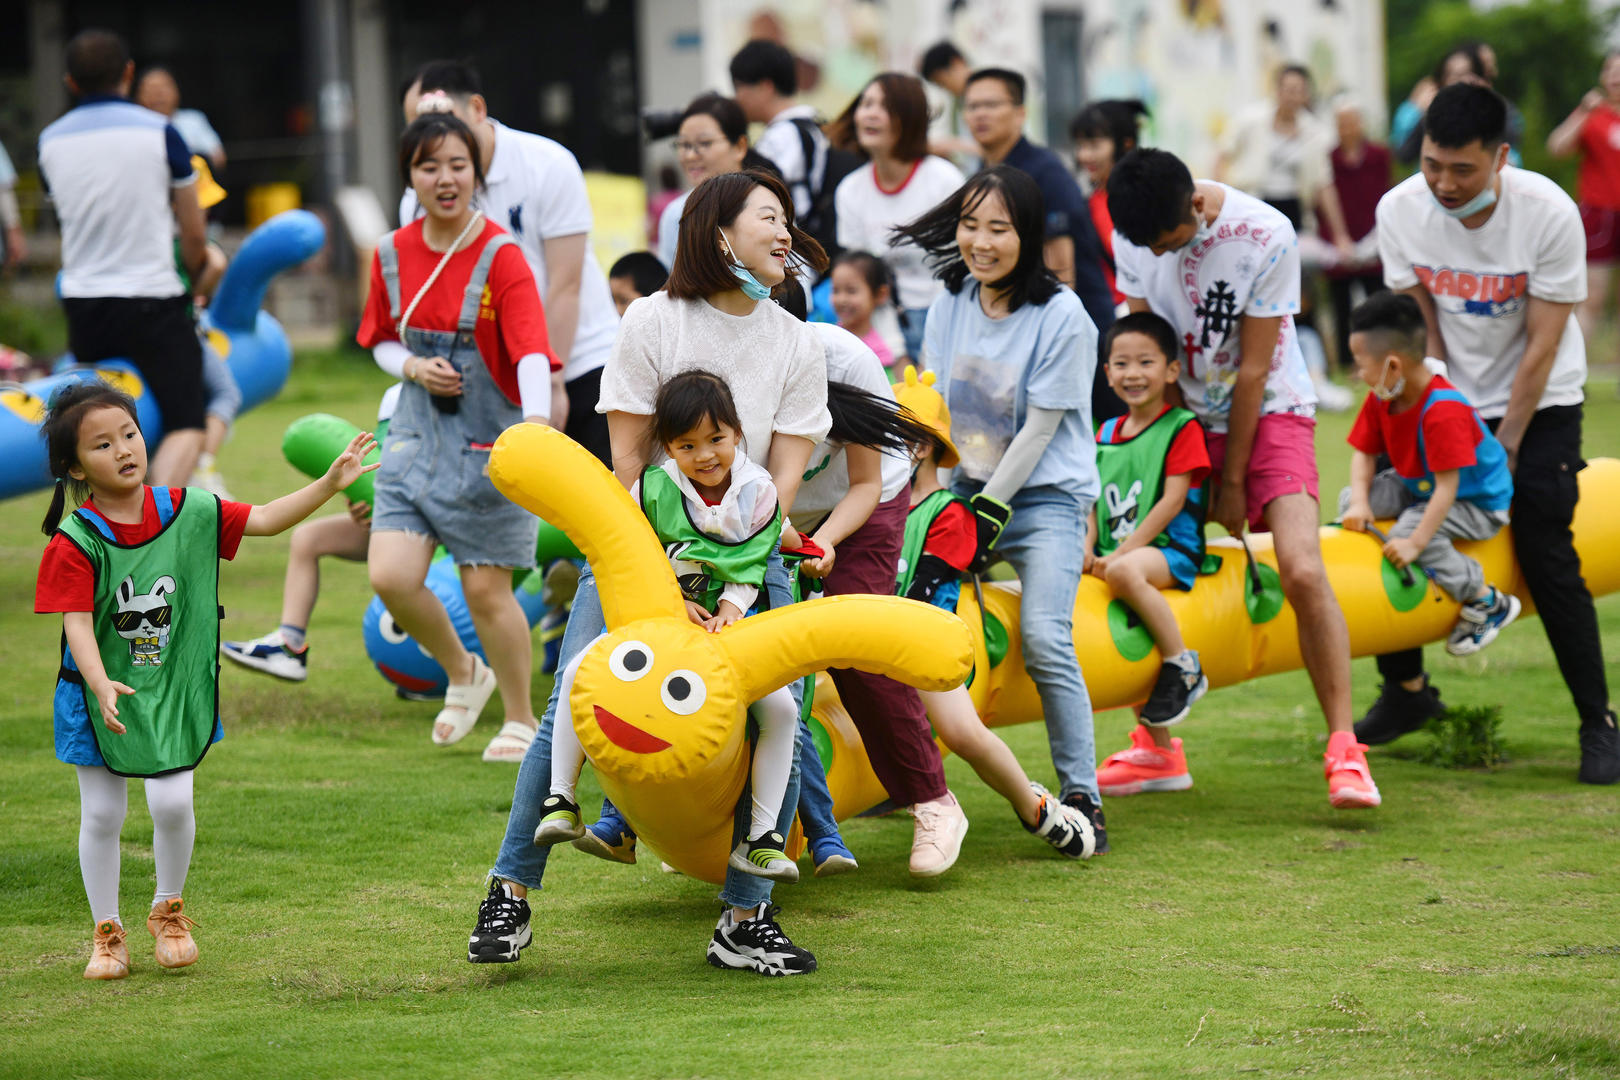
659, 703
1241, 632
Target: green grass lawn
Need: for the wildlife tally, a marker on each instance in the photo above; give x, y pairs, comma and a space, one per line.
1467, 928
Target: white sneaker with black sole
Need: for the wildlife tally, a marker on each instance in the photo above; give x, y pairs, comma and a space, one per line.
502, 932
270, 655
757, 944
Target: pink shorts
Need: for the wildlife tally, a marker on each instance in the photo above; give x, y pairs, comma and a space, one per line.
1283, 461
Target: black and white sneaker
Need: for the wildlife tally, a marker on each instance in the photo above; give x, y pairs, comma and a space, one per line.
503, 927
757, 944
270, 655
1062, 826
1479, 621
1092, 812
1398, 711
1181, 683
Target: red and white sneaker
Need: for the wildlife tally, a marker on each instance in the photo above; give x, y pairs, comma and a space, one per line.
1144, 767
1350, 782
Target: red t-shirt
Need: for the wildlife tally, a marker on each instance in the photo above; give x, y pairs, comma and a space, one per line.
66, 581
953, 537
1450, 434
1598, 181
511, 322
1104, 221
1188, 453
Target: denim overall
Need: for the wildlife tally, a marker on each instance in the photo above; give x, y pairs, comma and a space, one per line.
434, 480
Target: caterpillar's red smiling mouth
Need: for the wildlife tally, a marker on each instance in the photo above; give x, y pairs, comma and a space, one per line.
627, 736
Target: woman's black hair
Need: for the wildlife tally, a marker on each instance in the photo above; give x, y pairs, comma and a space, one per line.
424, 136
1029, 281
690, 398
873, 270
862, 418
1116, 119
60, 431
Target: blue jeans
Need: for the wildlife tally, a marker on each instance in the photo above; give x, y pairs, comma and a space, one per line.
1043, 543
519, 859
815, 801
911, 328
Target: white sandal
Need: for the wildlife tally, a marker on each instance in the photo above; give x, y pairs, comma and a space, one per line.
510, 743
463, 702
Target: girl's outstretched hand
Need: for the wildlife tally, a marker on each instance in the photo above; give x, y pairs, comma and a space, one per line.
349, 465
107, 696
725, 613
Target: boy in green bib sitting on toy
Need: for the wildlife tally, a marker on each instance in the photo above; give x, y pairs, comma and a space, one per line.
1146, 533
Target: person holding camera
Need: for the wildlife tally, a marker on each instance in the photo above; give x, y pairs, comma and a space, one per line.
453, 308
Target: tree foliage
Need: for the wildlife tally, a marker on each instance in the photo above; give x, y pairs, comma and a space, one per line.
1548, 53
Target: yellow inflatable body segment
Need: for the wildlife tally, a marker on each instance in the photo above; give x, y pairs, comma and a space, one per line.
1120, 661
660, 704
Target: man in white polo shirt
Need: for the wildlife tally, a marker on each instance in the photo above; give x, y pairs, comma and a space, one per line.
1495, 257
120, 177
534, 189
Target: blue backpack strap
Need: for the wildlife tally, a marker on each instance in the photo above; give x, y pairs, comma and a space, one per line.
1105, 434
97, 522
163, 499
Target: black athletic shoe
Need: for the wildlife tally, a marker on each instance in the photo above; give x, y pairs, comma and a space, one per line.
1181, 683
1600, 752
503, 927
1398, 712
757, 944
1062, 826
1093, 813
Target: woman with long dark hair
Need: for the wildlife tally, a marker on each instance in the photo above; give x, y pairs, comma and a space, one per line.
1015, 352
737, 241
888, 124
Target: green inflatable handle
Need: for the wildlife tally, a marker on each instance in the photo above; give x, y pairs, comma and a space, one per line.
313, 442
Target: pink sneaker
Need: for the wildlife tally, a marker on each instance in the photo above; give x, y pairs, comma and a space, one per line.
1144, 767
1350, 782
937, 842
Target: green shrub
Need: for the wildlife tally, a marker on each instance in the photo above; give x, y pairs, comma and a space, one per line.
1466, 737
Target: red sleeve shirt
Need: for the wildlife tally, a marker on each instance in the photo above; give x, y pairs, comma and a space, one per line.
66, 582
1450, 434
953, 537
1188, 453
1598, 181
511, 320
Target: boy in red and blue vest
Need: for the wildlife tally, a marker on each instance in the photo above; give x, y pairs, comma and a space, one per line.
1449, 478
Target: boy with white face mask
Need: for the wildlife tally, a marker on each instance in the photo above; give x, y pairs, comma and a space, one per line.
1448, 479
1495, 258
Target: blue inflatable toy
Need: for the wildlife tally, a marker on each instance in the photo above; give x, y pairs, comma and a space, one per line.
250, 340
407, 665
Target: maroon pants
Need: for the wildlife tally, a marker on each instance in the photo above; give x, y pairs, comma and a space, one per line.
889, 715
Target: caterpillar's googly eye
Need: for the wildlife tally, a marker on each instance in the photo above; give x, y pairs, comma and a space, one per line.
683, 692
630, 660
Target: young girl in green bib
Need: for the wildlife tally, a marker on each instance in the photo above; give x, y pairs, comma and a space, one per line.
716, 515
135, 573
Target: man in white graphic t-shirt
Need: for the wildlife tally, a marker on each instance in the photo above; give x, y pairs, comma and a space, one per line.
1496, 258
534, 189
1222, 268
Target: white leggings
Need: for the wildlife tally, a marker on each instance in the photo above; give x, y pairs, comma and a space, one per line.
103, 802
776, 713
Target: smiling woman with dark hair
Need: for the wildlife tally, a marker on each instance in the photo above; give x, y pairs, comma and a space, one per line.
1015, 352
888, 124
737, 242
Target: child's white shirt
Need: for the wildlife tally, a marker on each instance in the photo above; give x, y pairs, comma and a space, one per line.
745, 508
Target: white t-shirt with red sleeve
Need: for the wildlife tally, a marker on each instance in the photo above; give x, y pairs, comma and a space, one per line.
1532, 245
867, 211
511, 322
1245, 262
66, 580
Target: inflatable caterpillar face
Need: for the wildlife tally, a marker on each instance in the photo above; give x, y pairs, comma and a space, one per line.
658, 695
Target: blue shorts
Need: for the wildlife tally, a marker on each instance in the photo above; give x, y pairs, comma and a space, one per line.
1182, 569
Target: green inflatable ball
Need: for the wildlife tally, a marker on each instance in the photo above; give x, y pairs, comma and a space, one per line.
313, 442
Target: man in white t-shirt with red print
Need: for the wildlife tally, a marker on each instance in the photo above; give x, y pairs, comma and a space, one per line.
1223, 268
1495, 257
534, 189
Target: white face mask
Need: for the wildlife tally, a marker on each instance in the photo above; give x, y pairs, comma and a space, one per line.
1391, 393
1483, 201
1206, 229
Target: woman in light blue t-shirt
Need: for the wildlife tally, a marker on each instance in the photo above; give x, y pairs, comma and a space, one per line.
1015, 353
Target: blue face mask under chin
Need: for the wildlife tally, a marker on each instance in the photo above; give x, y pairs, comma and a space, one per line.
1483, 201
750, 284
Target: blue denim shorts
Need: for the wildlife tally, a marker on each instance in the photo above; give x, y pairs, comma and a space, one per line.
452, 501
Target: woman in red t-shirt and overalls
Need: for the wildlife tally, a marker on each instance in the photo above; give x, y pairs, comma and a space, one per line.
453, 310
1593, 131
